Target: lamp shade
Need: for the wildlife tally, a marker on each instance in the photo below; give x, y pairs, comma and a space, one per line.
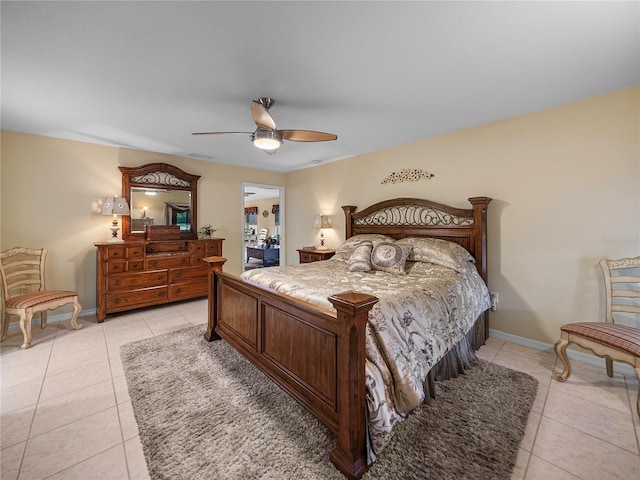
321, 221
115, 206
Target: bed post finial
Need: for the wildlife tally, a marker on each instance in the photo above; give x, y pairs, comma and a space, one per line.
348, 221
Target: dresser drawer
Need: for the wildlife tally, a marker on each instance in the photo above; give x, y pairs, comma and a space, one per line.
160, 247
191, 289
214, 248
137, 280
114, 253
167, 261
197, 248
116, 267
135, 252
182, 274
135, 266
126, 300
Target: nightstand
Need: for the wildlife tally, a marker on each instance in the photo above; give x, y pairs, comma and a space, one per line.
308, 256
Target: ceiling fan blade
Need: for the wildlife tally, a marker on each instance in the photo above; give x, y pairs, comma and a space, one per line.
220, 133
261, 116
306, 136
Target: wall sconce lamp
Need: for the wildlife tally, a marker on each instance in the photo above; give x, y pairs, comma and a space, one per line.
321, 221
115, 206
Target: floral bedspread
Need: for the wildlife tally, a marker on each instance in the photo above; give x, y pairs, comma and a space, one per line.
420, 316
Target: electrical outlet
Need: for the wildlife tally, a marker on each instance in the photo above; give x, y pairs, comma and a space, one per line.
494, 301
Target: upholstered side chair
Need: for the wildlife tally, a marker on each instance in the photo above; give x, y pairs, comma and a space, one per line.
608, 339
24, 293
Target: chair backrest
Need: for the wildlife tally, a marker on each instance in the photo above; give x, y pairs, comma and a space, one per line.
616, 274
22, 271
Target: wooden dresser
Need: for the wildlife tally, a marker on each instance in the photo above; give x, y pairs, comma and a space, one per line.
134, 274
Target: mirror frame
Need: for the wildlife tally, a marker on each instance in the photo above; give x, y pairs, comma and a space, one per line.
159, 175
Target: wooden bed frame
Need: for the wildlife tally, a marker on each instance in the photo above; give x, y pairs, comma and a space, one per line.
318, 355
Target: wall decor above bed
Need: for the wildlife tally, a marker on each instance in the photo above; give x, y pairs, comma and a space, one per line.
407, 175
320, 350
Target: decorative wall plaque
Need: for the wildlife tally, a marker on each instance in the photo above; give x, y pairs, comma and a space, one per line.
406, 175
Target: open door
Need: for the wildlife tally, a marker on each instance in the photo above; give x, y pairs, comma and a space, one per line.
262, 226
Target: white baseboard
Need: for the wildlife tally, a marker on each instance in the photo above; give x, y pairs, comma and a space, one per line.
576, 355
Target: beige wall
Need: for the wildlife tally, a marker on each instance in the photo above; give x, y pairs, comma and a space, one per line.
51, 191
566, 189
565, 183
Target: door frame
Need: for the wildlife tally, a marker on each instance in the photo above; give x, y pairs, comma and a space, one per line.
282, 226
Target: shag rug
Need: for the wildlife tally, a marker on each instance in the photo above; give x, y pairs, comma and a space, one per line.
204, 412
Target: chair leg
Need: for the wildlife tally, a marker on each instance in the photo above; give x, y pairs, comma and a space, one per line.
561, 351
638, 400
5, 326
25, 326
76, 311
43, 319
609, 363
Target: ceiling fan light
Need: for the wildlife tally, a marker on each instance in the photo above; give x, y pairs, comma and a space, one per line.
266, 139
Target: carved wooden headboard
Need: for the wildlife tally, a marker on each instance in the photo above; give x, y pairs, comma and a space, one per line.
415, 217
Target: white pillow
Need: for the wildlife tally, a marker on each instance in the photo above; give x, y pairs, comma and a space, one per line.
344, 251
438, 251
389, 257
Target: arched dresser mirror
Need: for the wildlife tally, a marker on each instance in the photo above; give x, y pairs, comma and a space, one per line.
159, 194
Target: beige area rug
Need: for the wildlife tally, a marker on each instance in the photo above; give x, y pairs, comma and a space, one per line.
204, 412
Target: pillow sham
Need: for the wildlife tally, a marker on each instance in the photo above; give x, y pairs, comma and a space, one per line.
438, 251
344, 251
360, 259
389, 257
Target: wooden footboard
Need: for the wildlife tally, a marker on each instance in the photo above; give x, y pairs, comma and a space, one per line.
316, 355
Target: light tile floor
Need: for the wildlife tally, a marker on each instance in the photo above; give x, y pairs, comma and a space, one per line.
66, 413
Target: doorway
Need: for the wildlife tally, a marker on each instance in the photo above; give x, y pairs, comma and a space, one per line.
263, 242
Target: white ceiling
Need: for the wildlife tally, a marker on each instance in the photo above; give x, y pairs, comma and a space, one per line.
144, 75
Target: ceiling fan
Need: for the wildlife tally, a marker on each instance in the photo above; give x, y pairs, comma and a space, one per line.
267, 137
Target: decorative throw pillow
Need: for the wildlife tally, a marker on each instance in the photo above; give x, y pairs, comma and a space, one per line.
438, 251
360, 259
389, 257
344, 251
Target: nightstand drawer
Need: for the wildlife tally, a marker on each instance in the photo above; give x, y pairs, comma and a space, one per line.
308, 256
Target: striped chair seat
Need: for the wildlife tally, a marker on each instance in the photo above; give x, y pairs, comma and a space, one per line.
613, 335
31, 300
608, 339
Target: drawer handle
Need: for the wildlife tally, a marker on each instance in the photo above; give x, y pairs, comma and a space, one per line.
154, 264
159, 277
178, 290
179, 275
117, 283
117, 301
160, 294
152, 249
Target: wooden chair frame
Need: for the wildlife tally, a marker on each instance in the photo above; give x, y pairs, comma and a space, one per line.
24, 292
608, 339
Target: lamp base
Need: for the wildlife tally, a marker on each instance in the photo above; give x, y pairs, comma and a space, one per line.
114, 236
